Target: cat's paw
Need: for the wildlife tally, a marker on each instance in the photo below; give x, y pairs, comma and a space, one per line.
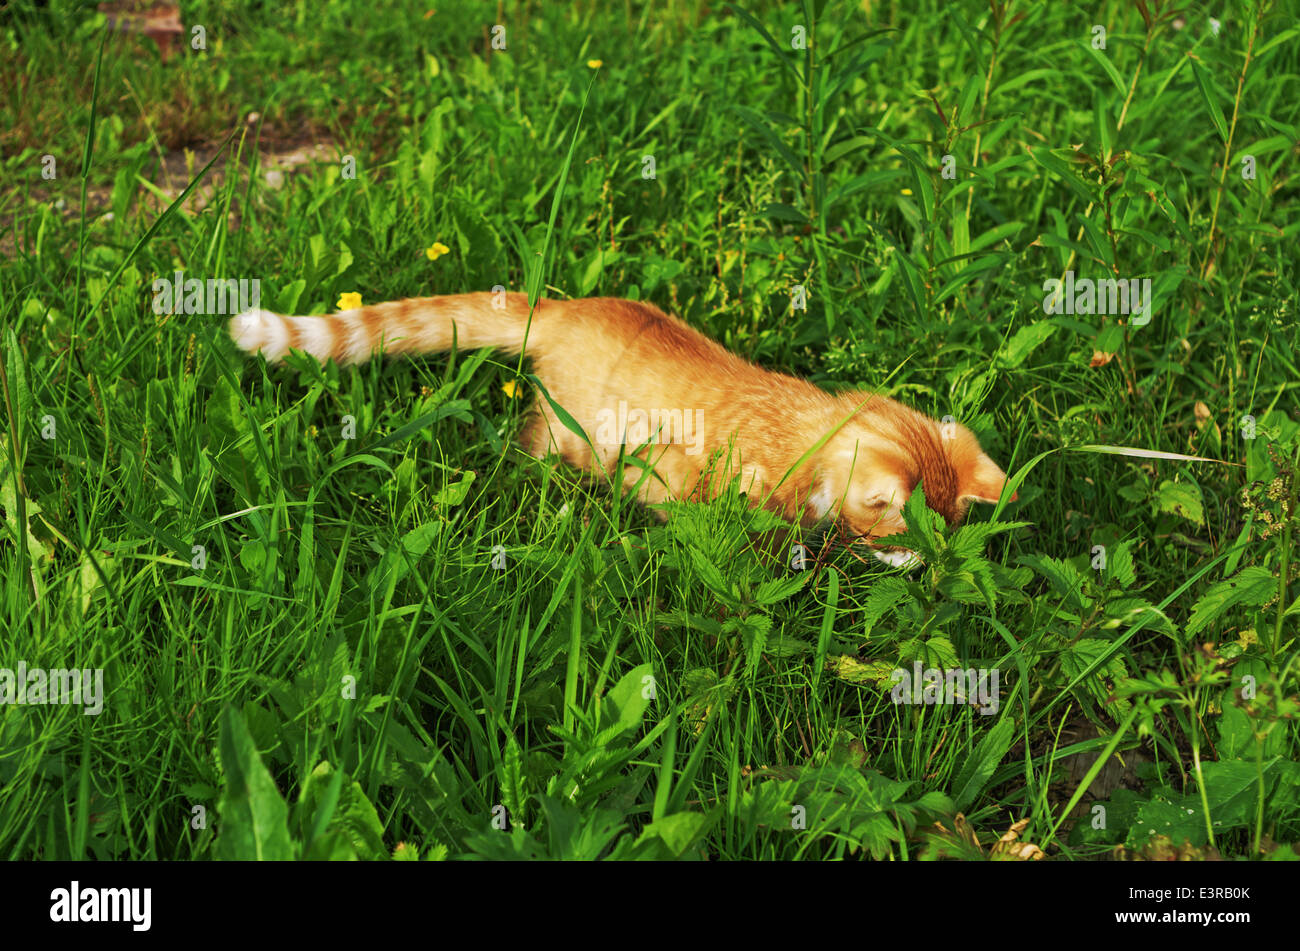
899, 558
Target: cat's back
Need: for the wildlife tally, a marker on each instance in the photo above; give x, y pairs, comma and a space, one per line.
635, 330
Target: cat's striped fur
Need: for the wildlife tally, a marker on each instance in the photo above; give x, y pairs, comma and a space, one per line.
597, 354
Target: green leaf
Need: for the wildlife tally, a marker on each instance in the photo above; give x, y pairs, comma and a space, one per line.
759, 125
1110, 338
861, 672
845, 146
1025, 341
754, 630
228, 426
1205, 83
36, 551
1168, 814
970, 272
784, 212
995, 234
562, 414
1251, 586
512, 779
1126, 612
778, 589
458, 409
345, 259
16, 376
254, 818
624, 707
1232, 790
884, 596
924, 528
454, 493
969, 540
712, 576
1109, 67
784, 645
351, 814
677, 832
1064, 578
1101, 657
979, 766
1181, 498
1054, 162
828, 623
591, 273
1236, 731
1119, 565
1121, 812
940, 654
576, 835
287, 302
783, 55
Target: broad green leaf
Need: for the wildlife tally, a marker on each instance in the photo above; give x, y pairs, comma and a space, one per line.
454, 493
884, 596
1181, 498
254, 818
1025, 342
778, 589
678, 832
860, 672
352, 815
980, 764
1252, 586
512, 778
623, 708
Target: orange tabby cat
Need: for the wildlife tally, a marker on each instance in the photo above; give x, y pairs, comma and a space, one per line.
641, 381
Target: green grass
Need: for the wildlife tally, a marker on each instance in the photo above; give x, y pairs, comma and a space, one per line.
339, 613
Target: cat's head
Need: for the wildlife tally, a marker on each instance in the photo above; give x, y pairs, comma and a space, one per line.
873, 466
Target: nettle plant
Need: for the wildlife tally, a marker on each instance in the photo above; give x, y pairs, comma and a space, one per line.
1223, 721
1269, 503
1089, 618
924, 616
698, 541
1252, 775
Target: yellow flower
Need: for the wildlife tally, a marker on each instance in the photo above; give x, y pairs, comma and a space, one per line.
349, 301
907, 191
510, 388
594, 64
436, 250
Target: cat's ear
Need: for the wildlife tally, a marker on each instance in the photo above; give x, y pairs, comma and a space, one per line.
985, 482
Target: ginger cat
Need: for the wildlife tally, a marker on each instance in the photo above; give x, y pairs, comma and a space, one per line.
641, 381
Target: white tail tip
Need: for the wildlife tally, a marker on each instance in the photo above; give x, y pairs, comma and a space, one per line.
260, 331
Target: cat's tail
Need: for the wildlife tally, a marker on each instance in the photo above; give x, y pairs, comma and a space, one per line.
418, 325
